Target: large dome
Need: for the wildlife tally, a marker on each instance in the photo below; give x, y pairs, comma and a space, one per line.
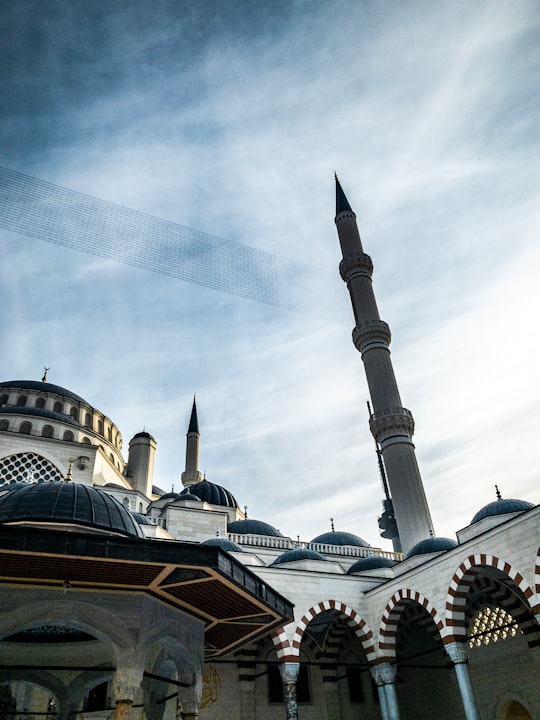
211, 493
502, 506
44, 387
67, 503
340, 538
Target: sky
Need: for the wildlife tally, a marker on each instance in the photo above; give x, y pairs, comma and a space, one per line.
231, 118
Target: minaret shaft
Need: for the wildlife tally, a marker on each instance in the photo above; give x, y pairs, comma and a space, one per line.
391, 424
192, 474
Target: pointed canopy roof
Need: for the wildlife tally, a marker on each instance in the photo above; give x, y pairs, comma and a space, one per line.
342, 204
193, 421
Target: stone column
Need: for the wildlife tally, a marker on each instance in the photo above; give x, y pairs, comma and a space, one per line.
385, 677
126, 683
289, 673
457, 652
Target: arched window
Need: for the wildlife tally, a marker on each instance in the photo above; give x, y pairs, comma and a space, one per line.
21, 401
87, 420
68, 435
28, 466
47, 431
4, 424
109, 434
25, 428
3, 399
125, 502
111, 457
86, 441
74, 413
100, 427
40, 402
58, 407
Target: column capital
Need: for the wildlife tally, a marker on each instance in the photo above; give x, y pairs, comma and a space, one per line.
457, 652
126, 683
289, 671
384, 674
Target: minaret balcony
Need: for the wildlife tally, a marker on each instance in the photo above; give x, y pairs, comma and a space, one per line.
391, 421
355, 265
371, 333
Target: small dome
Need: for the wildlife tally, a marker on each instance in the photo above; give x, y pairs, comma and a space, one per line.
157, 490
374, 562
188, 496
431, 545
67, 502
502, 506
141, 519
144, 435
211, 493
170, 496
224, 543
252, 527
298, 554
340, 538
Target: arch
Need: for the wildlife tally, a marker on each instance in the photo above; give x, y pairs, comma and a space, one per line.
25, 428
536, 608
390, 620
514, 600
40, 402
88, 420
74, 413
4, 399
28, 466
512, 708
58, 407
68, 435
21, 400
4, 424
352, 619
47, 431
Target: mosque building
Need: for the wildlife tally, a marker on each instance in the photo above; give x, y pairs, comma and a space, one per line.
120, 600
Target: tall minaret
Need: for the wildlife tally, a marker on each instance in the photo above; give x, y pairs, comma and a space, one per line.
391, 424
191, 474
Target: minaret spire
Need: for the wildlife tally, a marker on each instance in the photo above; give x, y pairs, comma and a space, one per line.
192, 474
391, 424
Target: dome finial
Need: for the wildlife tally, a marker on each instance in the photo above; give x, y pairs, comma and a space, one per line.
44, 378
332, 524
217, 532
498, 492
245, 512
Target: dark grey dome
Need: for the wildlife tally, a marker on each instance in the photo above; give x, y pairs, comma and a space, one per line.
224, 543
67, 502
431, 545
141, 519
170, 496
298, 554
188, 496
157, 490
38, 412
45, 387
502, 506
340, 538
373, 562
144, 435
252, 527
211, 493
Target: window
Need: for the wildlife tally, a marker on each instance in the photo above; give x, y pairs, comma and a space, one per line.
4, 399
74, 413
96, 699
47, 431
40, 402
58, 407
354, 685
100, 427
68, 435
4, 424
21, 401
109, 434
28, 466
87, 420
275, 685
86, 441
25, 428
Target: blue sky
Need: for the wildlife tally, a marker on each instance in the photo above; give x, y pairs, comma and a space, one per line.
231, 118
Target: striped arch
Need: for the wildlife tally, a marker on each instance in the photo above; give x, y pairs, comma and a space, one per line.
282, 646
399, 602
351, 618
536, 608
469, 576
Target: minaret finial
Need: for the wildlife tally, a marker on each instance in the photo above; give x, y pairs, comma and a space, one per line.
44, 378
332, 524
69, 474
499, 496
245, 511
